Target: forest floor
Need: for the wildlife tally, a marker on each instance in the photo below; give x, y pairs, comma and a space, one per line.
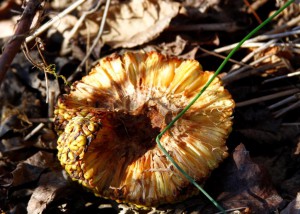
66, 38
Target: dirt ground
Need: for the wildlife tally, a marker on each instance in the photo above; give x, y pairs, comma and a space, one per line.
57, 42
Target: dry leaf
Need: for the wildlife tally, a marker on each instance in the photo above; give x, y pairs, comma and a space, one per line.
178, 48
173, 48
137, 22
8, 28
127, 25
201, 5
246, 184
31, 169
12, 119
253, 182
50, 186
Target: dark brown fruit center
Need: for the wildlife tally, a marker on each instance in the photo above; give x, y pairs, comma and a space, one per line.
140, 130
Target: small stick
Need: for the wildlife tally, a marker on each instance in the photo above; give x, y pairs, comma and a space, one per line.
294, 21
229, 27
257, 39
35, 130
250, 9
51, 103
55, 19
66, 50
256, 4
285, 110
14, 44
223, 57
260, 49
284, 101
95, 42
245, 73
51, 106
267, 97
296, 73
251, 65
290, 124
41, 120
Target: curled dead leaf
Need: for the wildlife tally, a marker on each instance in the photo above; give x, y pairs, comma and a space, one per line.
244, 183
137, 22
50, 186
31, 169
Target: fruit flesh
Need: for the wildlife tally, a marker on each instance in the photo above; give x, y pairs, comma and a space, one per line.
109, 121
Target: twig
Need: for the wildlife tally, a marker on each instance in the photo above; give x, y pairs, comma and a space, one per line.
55, 19
229, 27
223, 57
251, 10
285, 101
287, 109
23, 27
257, 39
252, 53
243, 73
294, 21
95, 42
256, 4
290, 124
41, 120
69, 35
296, 73
35, 130
51, 106
267, 97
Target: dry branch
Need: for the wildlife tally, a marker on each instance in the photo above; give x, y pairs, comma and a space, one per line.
14, 44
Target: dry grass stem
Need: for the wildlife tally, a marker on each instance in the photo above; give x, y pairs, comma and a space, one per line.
65, 46
287, 109
293, 74
41, 120
251, 10
290, 124
254, 41
245, 72
229, 27
256, 51
35, 130
267, 97
232, 73
47, 25
285, 101
222, 57
51, 103
95, 42
289, 24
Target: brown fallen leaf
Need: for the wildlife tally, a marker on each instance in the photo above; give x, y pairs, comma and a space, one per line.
32, 168
173, 48
12, 119
178, 47
244, 183
201, 5
136, 22
50, 187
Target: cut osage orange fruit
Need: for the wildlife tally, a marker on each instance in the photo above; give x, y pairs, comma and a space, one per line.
108, 123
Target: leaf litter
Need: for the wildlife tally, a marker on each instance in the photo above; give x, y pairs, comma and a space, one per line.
262, 174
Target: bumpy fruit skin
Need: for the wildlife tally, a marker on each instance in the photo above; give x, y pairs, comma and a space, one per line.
108, 123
